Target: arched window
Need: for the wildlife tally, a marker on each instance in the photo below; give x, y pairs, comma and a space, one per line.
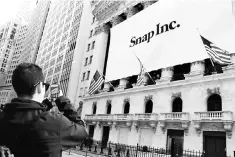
177, 105
109, 107
149, 107
214, 103
94, 109
126, 108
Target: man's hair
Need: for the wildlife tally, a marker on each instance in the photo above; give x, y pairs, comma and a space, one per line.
24, 78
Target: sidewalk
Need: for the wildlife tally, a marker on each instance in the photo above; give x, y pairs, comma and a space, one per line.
66, 154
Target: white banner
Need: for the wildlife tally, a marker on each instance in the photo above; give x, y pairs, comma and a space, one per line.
167, 34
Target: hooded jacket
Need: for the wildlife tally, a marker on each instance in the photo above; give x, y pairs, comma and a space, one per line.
28, 130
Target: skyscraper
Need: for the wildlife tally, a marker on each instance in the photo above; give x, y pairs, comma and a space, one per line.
60, 40
35, 31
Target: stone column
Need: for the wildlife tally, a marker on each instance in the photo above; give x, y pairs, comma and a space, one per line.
101, 33
122, 84
131, 11
167, 74
197, 70
146, 79
230, 68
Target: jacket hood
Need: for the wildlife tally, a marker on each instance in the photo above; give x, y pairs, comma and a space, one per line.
23, 104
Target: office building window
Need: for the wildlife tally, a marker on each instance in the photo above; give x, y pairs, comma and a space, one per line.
91, 32
93, 20
88, 75
91, 57
83, 76
86, 61
93, 45
88, 47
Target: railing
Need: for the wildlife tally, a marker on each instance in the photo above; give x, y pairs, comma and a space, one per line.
90, 117
105, 117
146, 116
214, 115
123, 117
92, 148
174, 116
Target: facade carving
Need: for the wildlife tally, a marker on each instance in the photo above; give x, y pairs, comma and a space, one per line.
109, 101
147, 98
215, 90
176, 95
126, 100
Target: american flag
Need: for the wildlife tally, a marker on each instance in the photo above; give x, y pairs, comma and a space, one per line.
140, 78
96, 82
217, 54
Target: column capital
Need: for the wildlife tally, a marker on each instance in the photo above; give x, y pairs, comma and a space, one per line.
130, 11
102, 28
147, 3
116, 20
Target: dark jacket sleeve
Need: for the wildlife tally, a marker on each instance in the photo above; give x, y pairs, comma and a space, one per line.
71, 134
65, 106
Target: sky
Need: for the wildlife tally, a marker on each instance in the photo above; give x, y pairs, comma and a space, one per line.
9, 9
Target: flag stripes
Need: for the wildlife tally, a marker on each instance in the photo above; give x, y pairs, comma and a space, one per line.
96, 82
140, 78
217, 55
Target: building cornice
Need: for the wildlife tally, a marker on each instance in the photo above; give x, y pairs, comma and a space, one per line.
204, 79
104, 11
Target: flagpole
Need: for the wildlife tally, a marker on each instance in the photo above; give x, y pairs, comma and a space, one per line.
209, 55
213, 64
144, 68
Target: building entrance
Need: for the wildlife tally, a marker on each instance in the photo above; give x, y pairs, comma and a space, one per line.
214, 144
105, 137
91, 130
175, 141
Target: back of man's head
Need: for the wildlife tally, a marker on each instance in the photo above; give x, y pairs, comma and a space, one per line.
25, 77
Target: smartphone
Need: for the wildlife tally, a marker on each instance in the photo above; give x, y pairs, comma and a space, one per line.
55, 90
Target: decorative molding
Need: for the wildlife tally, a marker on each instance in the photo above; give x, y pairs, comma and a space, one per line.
115, 125
185, 126
129, 125
165, 85
136, 125
102, 28
153, 125
147, 98
130, 11
162, 126
228, 127
197, 127
105, 9
176, 95
127, 99
94, 103
215, 90
109, 101
146, 4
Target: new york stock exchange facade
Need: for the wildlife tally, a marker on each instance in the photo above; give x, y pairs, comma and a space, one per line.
189, 104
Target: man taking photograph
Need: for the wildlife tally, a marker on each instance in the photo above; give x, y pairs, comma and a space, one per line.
26, 128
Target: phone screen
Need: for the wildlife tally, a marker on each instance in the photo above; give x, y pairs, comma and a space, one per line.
54, 91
